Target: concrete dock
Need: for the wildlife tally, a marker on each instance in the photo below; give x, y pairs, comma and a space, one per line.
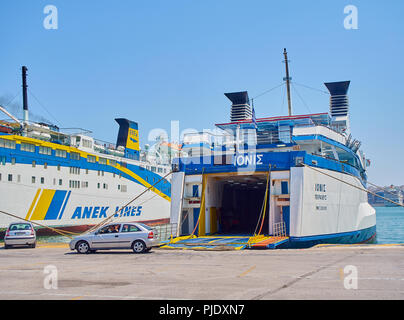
52, 271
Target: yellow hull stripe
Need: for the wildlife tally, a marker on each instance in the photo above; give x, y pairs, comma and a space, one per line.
43, 204
33, 204
142, 181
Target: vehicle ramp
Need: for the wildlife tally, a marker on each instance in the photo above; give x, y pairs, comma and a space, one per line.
224, 243
269, 243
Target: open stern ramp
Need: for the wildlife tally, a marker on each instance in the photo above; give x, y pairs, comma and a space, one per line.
225, 243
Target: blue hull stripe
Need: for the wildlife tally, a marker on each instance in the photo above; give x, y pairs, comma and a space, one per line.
352, 237
55, 205
64, 205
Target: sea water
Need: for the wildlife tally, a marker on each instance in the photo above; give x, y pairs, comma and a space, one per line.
390, 224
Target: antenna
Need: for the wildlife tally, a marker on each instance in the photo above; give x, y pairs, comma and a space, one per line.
287, 79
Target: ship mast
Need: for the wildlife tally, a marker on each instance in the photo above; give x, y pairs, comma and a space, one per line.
287, 78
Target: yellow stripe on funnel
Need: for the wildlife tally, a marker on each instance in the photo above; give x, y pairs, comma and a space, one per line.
43, 204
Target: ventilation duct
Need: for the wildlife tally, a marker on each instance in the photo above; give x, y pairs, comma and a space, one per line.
240, 108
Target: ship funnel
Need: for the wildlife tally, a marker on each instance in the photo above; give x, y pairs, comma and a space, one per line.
128, 137
339, 104
240, 108
24, 93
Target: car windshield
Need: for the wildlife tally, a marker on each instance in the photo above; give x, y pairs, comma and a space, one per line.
20, 226
145, 226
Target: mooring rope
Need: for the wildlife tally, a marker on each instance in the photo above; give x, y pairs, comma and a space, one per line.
63, 233
105, 221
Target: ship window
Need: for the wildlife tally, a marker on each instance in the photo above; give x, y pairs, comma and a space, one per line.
284, 187
98, 185
102, 160
13, 161
60, 153
60, 182
74, 156
153, 169
33, 179
0, 176
160, 170
42, 180
28, 147
33, 164
112, 162
3, 160
45, 150
10, 177
58, 167
7, 144
87, 143
45, 165
119, 187
91, 159
105, 186
74, 170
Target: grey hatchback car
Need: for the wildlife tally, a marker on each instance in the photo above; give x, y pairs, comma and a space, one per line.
136, 236
20, 234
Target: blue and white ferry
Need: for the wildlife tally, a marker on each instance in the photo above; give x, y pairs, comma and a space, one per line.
68, 179
298, 180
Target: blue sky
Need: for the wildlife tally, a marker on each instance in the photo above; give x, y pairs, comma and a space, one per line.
157, 61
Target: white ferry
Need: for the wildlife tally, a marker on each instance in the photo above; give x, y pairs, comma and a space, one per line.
74, 181
290, 181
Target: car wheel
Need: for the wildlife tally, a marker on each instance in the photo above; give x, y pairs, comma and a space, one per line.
138, 246
83, 247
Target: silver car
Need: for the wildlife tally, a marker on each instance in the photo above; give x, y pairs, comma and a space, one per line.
20, 234
136, 236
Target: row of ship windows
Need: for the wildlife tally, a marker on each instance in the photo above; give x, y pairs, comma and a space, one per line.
74, 184
28, 147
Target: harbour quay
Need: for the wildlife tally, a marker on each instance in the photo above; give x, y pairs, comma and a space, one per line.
52, 271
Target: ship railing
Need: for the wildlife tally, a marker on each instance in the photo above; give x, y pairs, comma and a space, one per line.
279, 229
165, 231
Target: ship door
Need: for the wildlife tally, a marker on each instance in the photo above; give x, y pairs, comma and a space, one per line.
281, 212
239, 211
